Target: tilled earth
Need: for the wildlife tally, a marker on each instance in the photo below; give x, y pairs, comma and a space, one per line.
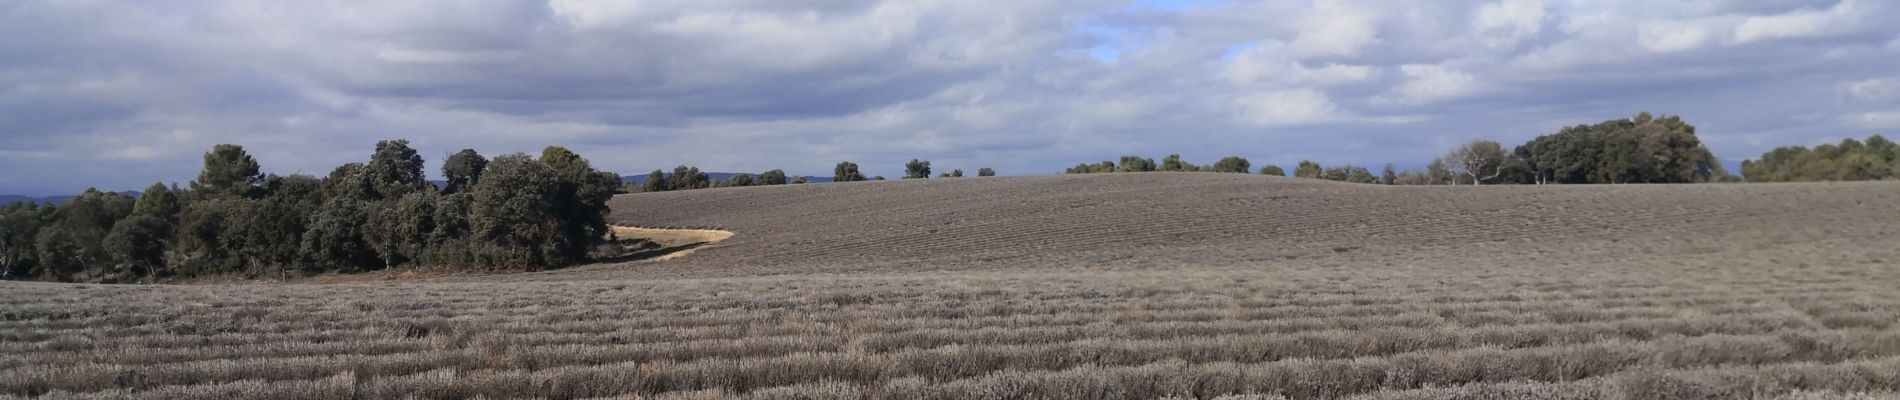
1190, 285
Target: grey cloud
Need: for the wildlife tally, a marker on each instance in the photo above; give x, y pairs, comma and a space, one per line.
121, 94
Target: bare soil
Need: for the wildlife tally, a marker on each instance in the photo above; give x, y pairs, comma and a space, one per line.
1193, 285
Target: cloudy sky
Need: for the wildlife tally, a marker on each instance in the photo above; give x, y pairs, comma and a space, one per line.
120, 94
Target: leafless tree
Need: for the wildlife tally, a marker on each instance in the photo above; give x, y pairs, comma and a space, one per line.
1479, 160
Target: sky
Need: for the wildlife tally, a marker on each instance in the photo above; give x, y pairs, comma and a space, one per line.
121, 94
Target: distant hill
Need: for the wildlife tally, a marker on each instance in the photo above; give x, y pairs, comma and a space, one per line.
719, 176
14, 198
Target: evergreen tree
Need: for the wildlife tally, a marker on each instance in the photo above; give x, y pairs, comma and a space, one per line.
1307, 169
1136, 164
461, 170
1232, 164
228, 172
656, 182
513, 215
395, 170
846, 172
136, 246
335, 240
1173, 163
773, 177
1272, 170
739, 180
1388, 176
916, 169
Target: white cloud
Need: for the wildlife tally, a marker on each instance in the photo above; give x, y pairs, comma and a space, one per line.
1873, 89
1672, 36
1801, 23
1506, 23
1876, 119
1335, 28
1269, 63
1286, 107
1428, 83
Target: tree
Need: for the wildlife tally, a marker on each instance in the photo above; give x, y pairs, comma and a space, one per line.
1136, 164
846, 172
335, 239
916, 169
1272, 170
581, 201
773, 177
513, 215
1361, 175
1437, 173
228, 171
1173, 163
688, 178
270, 235
985, 172
1641, 149
395, 169
1388, 176
877, 178
1086, 168
1307, 169
738, 180
656, 182
1480, 160
462, 170
956, 173
137, 246
61, 253
20, 225
1232, 164
800, 180
160, 202
1851, 160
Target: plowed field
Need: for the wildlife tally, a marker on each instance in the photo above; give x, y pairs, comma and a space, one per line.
1186, 285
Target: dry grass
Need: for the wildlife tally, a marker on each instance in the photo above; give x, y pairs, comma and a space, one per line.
1782, 291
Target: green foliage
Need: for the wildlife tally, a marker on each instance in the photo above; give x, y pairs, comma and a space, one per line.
846, 172
956, 173
581, 201
985, 172
1307, 169
1388, 176
159, 201
916, 169
271, 234
228, 172
395, 170
334, 239
1642, 149
1272, 170
1852, 160
20, 225
1232, 164
773, 177
136, 246
799, 180
1478, 161
739, 180
514, 212
462, 169
1173, 163
688, 178
1085, 168
656, 182
1135, 164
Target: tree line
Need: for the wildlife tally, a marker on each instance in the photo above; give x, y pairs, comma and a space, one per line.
1641, 149
1851, 160
514, 211
689, 178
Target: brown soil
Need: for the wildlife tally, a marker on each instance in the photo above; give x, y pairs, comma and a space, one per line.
1066, 287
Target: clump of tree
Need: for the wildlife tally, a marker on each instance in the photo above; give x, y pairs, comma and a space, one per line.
1640, 149
916, 169
1171, 163
846, 172
1852, 160
985, 172
513, 212
1272, 170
